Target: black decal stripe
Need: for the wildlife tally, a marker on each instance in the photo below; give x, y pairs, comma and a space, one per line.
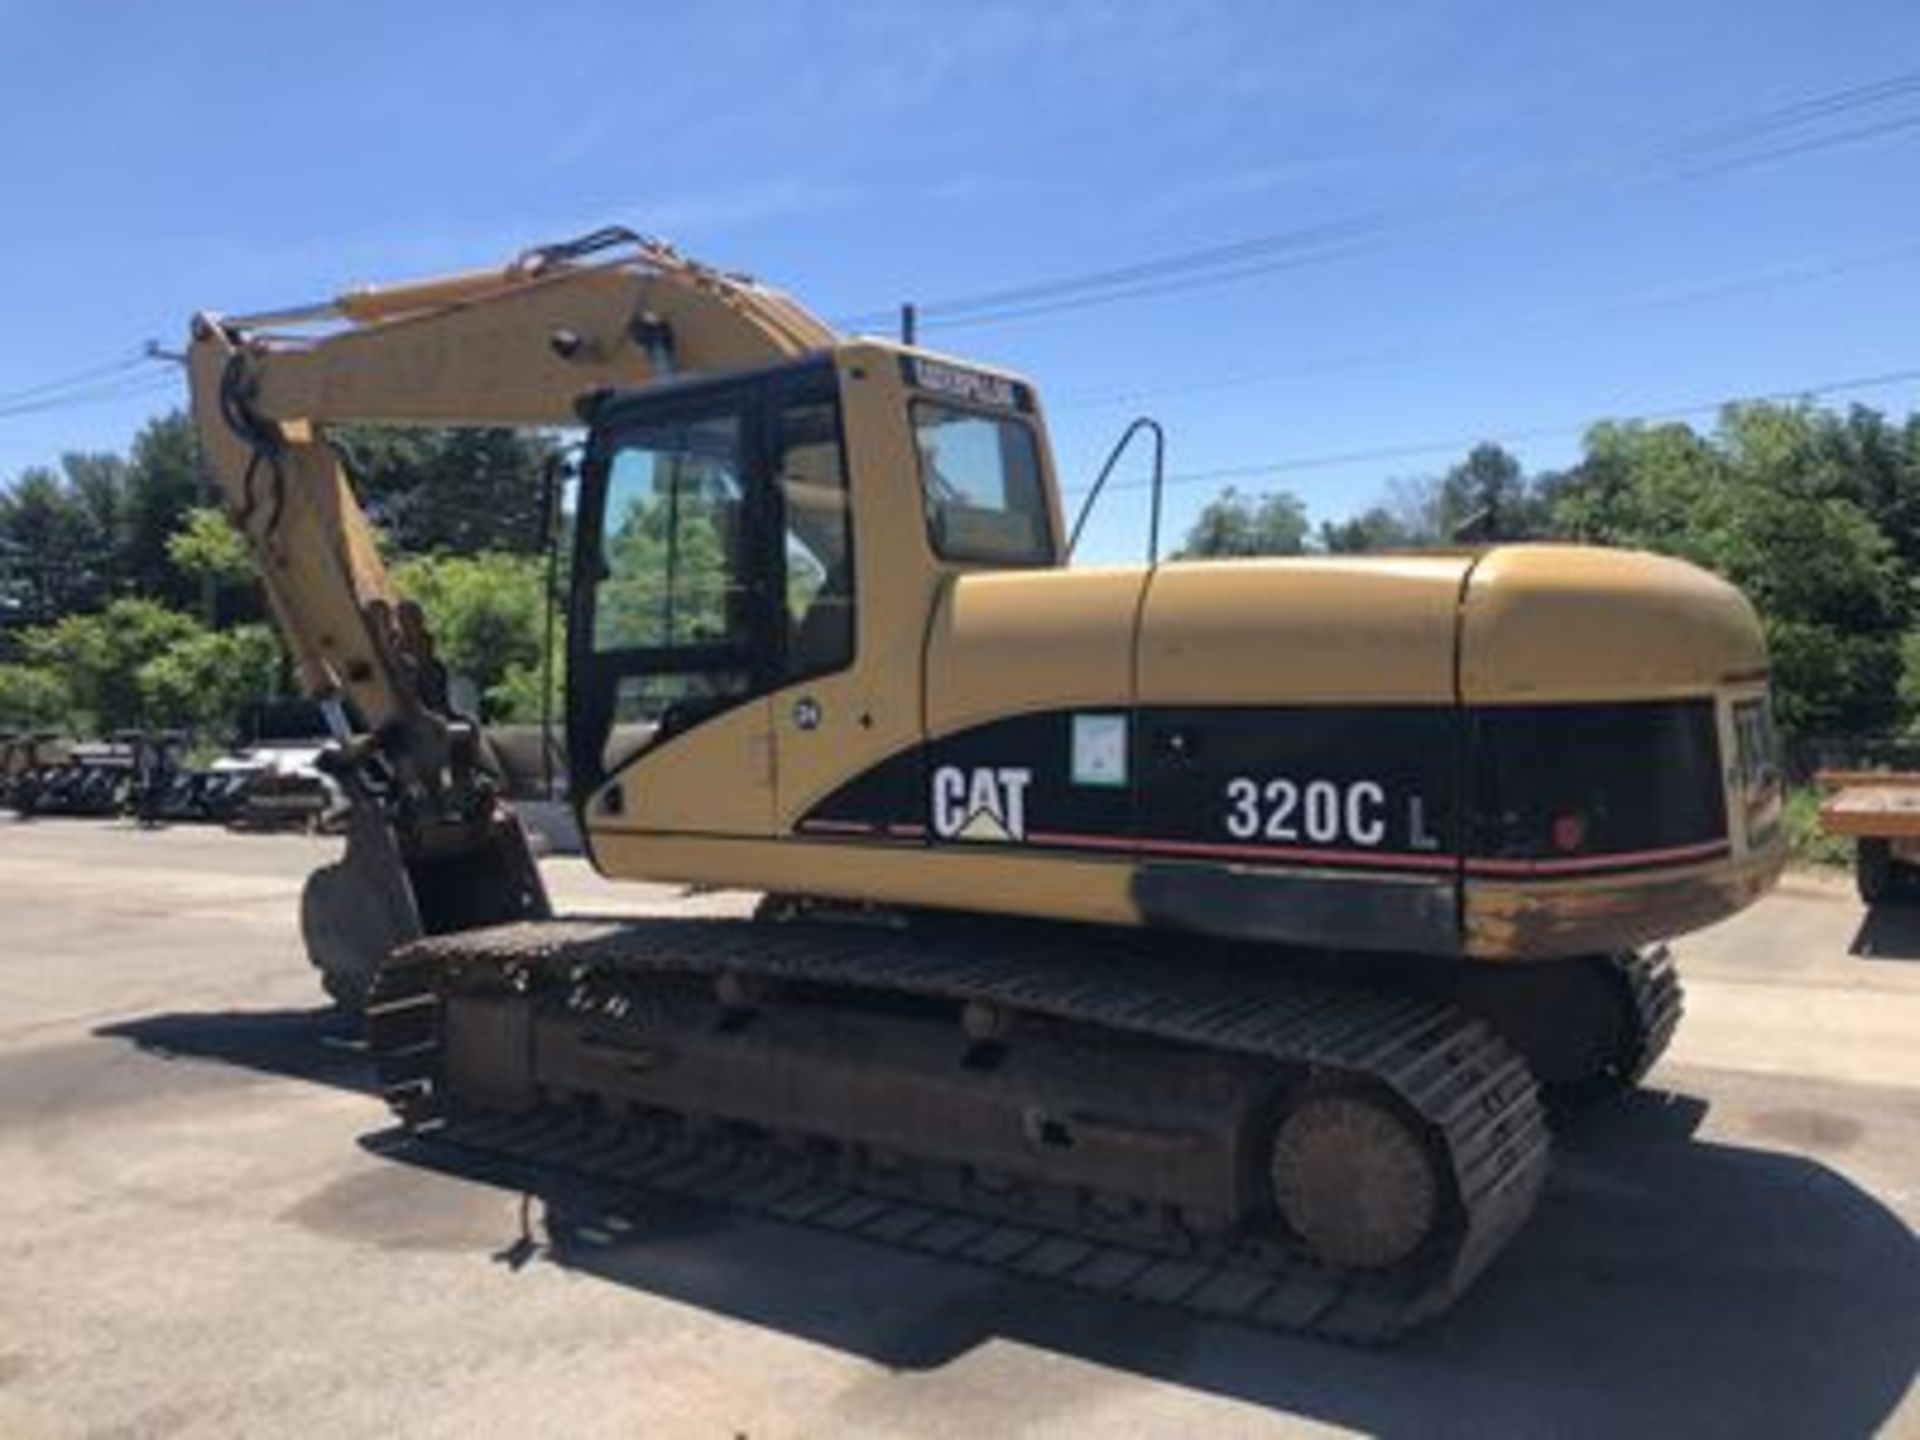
1626, 779
1553, 792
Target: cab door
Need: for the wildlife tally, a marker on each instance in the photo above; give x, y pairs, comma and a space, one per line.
823, 709
673, 648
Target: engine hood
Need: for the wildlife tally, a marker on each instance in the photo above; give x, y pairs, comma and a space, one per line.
1517, 624
1315, 631
1548, 623
1511, 625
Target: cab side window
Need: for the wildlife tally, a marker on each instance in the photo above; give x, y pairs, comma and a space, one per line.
674, 580
809, 473
674, 567
984, 496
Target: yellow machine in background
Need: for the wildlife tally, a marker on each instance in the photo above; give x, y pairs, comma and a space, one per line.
1217, 915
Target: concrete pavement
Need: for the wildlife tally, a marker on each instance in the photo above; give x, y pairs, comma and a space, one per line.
203, 1235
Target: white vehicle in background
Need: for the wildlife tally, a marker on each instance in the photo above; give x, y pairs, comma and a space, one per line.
271, 779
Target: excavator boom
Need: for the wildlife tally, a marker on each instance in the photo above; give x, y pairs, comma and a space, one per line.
517, 346
430, 848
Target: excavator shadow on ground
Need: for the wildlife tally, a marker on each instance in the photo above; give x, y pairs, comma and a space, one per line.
1667, 1283
319, 1044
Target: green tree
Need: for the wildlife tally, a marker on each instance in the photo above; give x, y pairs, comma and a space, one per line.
1910, 675
96, 487
32, 697
1237, 525
1374, 529
163, 485
44, 547
62, 536
1640, 485
459, 491
517, 696
487, 615
207, 549
203, 680
100, 656
1762, 502
1865, 458
1487, 497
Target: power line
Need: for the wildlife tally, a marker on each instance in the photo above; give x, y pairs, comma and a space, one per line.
1380, 223
1440, 221
1417, 449
1308, 245
127, 388
1799, 147
1759, 283
1312, 244
1325, 241
126, 362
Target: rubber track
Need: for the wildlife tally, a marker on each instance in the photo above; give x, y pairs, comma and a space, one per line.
1448, 1067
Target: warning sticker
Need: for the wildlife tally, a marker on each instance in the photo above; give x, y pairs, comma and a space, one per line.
1100, 750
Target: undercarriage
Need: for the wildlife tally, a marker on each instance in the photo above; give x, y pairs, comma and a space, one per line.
1190, 1126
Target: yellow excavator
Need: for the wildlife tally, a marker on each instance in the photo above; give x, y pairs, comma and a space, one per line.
1203, 932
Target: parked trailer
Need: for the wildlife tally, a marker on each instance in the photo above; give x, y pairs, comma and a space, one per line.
94, 779
25, 763
12, 764
266, 784
1879, 810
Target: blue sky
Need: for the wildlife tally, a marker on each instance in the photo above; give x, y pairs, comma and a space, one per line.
1557, 253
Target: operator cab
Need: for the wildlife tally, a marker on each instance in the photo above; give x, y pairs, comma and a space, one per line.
716, 546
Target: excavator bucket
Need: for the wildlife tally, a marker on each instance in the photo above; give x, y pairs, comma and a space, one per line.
378, 896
